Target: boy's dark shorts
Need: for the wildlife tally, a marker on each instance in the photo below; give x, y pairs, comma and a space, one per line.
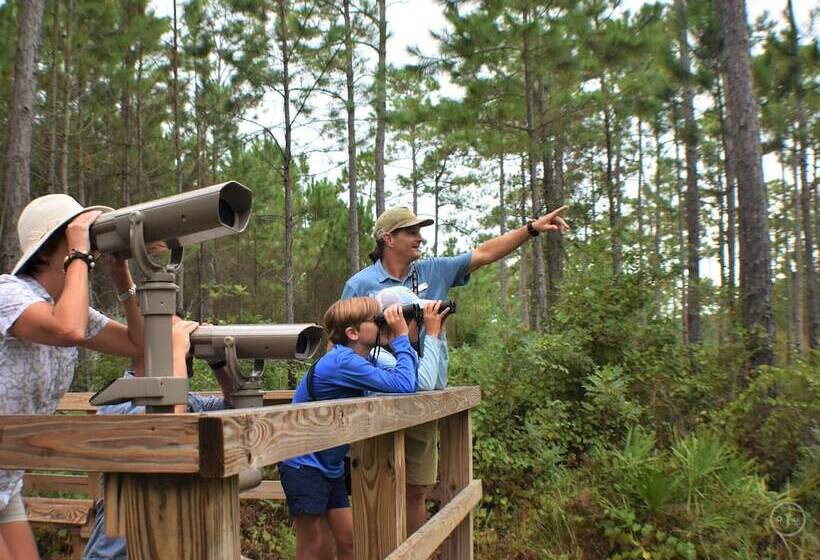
309, 492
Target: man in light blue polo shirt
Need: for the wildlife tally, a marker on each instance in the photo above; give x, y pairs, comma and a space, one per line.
396, 263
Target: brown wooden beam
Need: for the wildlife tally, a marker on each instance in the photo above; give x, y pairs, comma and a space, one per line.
133, 443
39, 482
379, 501
79, 401
268, 490
456, 474
231, 441
181, 517
59, 511
423, 543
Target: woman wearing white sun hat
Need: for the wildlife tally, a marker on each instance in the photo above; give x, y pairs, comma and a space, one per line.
44, 317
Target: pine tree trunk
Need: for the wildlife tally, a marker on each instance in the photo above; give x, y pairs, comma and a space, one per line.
139, 129
17, 175
656, 236
680, 219
720, 200
54, 82
414, 179
67, 89
555, 240
537, 250
639, 203
205, 310
180, 280
286, 164
812, 311
81, 197
744, 130
797, 221
690, 138
614, 217
503, 279
788, 308
350, 105
381, 106
731, 183
523, 292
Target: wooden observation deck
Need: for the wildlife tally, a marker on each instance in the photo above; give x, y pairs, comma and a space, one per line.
172, 487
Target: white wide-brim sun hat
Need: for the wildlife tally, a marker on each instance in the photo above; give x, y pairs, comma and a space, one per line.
41, 218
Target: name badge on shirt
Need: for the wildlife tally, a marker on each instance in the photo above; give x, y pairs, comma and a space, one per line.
422, 288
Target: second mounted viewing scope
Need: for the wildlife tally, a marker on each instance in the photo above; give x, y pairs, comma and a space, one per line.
224, 345
179, 220
256, 342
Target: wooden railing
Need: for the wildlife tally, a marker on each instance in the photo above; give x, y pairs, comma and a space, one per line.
172, 485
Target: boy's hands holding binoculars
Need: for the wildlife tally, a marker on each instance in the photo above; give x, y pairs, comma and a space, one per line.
394, 318
434, 318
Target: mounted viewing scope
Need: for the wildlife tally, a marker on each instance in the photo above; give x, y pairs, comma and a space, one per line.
179, 220
224, 345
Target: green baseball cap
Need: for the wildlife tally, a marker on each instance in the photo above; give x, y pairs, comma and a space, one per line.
398, 218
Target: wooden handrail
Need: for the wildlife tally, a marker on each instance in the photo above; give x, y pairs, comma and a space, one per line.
424, 542
232, 441
215, 444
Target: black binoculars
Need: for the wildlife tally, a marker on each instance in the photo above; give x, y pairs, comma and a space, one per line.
415, 311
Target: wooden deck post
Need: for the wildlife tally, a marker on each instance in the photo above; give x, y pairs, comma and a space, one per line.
456, 474
379, 506
176, 517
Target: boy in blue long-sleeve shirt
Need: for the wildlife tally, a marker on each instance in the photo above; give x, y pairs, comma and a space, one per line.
314, 483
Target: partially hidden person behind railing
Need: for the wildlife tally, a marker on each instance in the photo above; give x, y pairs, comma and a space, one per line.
421, 441
100, 546
44, 317
396, 262
314, 484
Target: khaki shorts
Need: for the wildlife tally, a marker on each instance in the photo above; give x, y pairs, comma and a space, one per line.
421, 453
14, 510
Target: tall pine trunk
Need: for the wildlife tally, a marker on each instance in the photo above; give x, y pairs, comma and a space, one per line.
797, 220
177, 147
523, 292
537, 250
656, 235
744, 130
17, 175
381, 106
67, 91
680, 220
690, 138
54, 84
350, 106
502, 219
286, 163
812, 318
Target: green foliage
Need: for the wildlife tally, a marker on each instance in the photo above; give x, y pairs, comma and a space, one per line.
776, 420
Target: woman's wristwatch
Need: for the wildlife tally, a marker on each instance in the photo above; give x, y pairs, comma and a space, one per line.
84, 256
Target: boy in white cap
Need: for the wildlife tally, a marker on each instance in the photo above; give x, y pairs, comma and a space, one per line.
44, 317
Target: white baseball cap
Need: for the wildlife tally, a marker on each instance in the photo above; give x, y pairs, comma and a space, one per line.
41, 218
